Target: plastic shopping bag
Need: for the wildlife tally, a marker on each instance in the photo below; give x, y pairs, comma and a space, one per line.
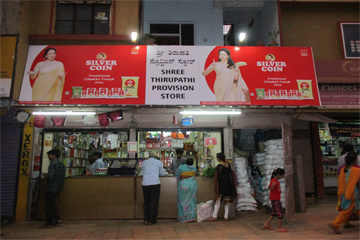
204, 211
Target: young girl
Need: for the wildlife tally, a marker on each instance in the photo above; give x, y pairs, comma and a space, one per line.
276, 207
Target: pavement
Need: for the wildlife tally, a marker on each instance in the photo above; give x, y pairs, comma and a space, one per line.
246, 225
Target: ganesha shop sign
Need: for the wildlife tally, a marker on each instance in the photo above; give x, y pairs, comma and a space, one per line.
169, 75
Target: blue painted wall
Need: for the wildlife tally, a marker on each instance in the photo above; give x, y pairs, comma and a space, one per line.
208, 21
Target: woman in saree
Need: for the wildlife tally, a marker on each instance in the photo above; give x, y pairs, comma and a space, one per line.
348, 192
229, 84
50, 78
187, 187
225, 187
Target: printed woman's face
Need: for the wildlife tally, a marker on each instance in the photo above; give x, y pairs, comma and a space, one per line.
51, 55
223, 56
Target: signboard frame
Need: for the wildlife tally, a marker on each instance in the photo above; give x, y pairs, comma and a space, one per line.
351, 46
12, 70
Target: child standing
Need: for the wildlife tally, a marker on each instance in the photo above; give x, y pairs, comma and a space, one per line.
276, 207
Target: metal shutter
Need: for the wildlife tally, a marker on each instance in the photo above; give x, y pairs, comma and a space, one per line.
10, 150
302, 146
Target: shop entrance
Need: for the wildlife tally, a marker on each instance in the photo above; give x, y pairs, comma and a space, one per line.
335, 140
266, 150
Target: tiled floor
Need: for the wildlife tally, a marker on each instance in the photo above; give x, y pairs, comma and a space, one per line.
246, 225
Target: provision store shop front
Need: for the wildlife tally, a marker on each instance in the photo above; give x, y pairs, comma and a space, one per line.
117, 194
120, 195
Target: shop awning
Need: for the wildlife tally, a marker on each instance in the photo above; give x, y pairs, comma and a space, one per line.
313, 117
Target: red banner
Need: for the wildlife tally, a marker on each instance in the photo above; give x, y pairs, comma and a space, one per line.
91, 75
169, 75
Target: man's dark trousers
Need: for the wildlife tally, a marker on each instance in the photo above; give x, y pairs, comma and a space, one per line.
151, 202
50, 208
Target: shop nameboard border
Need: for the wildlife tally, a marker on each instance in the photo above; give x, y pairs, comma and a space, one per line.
169, 75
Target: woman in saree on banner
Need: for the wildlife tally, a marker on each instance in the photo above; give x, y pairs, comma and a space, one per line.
229, 84
49, 78
187, 188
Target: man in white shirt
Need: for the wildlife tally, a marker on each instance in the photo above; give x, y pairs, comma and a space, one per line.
98, 162
341, 161
152, 168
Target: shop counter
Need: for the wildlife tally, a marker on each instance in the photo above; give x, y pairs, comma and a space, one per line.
95, 198
168, 196
119, 198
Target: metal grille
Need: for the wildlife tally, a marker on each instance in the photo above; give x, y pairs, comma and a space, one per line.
10, 148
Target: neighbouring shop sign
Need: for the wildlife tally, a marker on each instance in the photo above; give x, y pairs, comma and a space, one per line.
337, 71
344, 130
8, 48
340, 95
169, 75
24, 167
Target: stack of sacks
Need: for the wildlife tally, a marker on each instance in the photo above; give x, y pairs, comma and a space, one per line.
274, 158
244, 190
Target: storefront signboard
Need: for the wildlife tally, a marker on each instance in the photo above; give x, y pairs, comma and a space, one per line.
340, 95
8, 48
344, 130
24, 170
170, 75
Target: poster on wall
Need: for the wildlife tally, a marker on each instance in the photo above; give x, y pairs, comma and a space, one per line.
170, 75
8, 49
84, 75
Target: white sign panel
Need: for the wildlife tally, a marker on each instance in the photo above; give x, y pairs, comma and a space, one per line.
172, 75
5, 87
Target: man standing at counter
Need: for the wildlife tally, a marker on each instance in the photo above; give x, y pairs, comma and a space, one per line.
54, 185
152, 168
99, 162
179, 160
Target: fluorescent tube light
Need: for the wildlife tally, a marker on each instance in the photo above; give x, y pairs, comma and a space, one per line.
64, 113
218, 112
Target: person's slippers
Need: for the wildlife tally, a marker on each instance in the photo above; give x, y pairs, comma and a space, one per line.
57, 222
211, 219
226, 219
282, 230
268, 227
45, 226
334, 228
348, 225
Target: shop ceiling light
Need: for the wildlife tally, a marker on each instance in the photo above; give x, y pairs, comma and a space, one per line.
68, 113
209, 112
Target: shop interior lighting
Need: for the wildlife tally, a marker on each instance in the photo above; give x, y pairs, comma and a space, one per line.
215, 112
68, 113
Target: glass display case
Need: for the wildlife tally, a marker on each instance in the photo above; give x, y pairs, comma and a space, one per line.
122, 167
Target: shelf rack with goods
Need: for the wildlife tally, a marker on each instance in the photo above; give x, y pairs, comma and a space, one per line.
76, 147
